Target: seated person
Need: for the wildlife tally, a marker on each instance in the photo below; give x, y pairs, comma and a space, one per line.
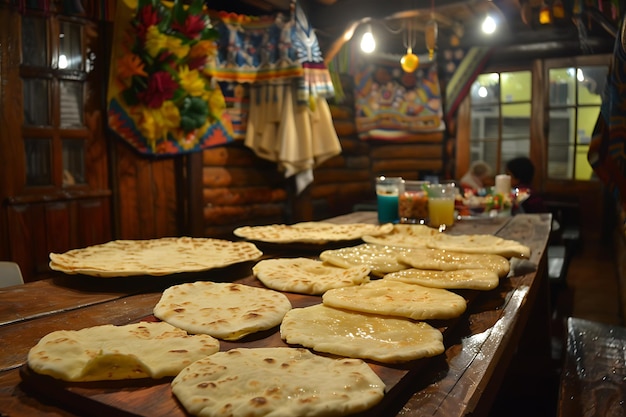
522, 172
478, 177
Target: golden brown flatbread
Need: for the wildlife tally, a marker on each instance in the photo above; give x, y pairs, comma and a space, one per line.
153, 257
311, 232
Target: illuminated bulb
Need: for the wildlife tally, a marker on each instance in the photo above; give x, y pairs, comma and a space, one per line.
409, 62
558, 11
489, 25
368, 44
62, 61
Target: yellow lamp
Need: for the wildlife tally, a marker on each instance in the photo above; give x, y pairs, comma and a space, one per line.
545, 15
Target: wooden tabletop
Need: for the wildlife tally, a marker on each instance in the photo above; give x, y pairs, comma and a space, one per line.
464, 380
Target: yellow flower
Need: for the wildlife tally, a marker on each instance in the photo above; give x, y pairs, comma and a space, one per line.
157, 123
203, 48
129, 65
175, 46
155, 41
148, 126
169, 115
191, 81
216, 101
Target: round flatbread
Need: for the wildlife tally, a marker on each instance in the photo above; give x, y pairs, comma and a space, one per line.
276, 382
358, 335
311, 232
444, 260
470, 279
405, 235
379, 259
226, 311
153, 257
480, 243
108, 352
307, 276
394, 298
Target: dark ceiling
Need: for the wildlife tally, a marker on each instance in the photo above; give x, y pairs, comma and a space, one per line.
332, 19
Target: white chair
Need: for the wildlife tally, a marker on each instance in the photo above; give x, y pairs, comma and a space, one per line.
10, 274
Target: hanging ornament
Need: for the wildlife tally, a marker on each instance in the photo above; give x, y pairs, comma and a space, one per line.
409, 62
431, 31
558, 11
431, 37
545, 15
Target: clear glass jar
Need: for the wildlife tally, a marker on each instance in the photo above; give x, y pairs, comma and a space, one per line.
413, 203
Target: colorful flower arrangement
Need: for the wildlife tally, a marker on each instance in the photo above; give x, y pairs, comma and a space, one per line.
164, 76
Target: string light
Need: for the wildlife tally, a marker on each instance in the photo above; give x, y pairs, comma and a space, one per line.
409, 62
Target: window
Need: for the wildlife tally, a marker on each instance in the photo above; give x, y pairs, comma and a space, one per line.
500, 117
573, 107
53, 75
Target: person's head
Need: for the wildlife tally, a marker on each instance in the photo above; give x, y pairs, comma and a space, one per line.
521, 170
480, 169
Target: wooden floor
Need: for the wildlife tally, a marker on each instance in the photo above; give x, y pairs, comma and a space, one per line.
590, 291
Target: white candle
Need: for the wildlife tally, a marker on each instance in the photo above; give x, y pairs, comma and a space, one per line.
503, 184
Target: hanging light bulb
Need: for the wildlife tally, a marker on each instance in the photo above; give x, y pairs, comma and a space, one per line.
368, 43
489, 25
558, 11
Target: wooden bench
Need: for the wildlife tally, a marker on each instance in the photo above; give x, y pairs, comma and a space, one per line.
593, 381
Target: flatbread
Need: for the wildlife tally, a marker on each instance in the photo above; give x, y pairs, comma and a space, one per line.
480, 243
307, 276
444, 260
276, 382
108, 352
394, 298
405, 235
226, 311
378, 258
153, 257
358, 335
311, 232
471, 279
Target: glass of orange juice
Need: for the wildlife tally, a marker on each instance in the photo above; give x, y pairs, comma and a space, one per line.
441, 204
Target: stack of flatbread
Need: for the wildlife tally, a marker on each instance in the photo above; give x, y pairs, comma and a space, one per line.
421, 236
153, 257
311, 232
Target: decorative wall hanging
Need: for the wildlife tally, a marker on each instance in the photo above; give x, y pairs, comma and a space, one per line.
392, 104
161, 99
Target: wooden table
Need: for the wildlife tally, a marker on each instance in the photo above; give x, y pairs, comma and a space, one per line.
464, 380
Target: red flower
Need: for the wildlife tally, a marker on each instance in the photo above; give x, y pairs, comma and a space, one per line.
161, 87
192, 26
147, 16
197, 63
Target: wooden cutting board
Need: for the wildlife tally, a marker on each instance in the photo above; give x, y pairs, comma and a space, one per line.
153, 398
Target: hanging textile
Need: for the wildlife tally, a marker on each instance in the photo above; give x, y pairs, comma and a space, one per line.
391, 104
276, 84
254, 49
607, 150
160, 99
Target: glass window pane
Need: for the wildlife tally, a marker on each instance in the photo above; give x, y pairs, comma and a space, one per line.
36, 109
562, 129
484, 150
512, 148
70, 50
560, 161
71, 103
591, 81
38, 161
485, 122
485, 89
516, 86
583, 169
516, 121
587, 118
562, 86
73, 162
34, 45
